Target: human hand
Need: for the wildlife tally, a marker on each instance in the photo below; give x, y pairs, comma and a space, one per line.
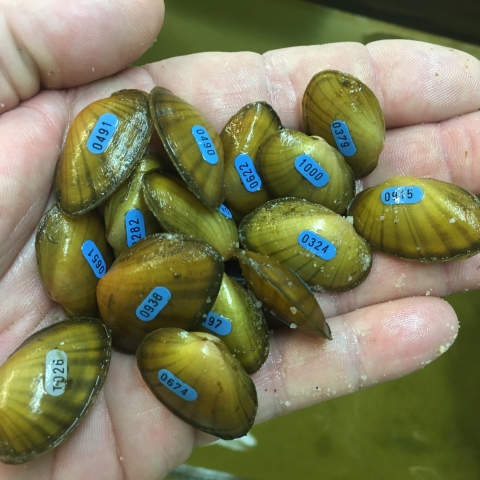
387, 327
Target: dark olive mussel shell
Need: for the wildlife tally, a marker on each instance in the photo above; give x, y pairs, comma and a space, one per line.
164, 280
48, 385
293, 164
419, 219
197, 378
321, 247
283, 293
72, 255
102, 146
236, 317
345, 112
179, 211
192, 144
241, 137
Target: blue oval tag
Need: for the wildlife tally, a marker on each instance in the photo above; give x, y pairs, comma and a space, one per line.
311, 170
153, 304
217, 324
401, 195
317, 245
225, 211
173, 383
102, 133
94, 258
343, 139
134, 226
248, 174
205, 144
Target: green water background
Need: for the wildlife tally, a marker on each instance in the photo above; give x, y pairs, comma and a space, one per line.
425, 426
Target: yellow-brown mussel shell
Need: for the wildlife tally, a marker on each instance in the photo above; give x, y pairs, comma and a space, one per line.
48, 385
192, 144
321, 247
296, 165
164, 280
72, 255
198, 379
241, 137
103, 144
419, 219
345, 112
237, 318
127, 217
283, 293
179, 211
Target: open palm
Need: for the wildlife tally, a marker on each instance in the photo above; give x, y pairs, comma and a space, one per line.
59, 56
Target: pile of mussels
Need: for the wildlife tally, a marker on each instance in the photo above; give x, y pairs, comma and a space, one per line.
197, 332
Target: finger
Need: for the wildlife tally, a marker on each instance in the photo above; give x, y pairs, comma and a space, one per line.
143, 426
369, 346
393, 278
419, 81
448, 151
59, 44
220, 84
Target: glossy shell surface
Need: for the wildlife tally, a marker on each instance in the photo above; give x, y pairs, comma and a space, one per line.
341, 109
122, 228
179, 211
103, 144
237, 319
192, 144
283, 293
62, 259
164, 280
241, 137
419, 219
293, 164
321, 247
48, 385
209, 389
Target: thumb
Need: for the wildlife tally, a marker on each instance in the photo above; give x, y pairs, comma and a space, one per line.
65, 43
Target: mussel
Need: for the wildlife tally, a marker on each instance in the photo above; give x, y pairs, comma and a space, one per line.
72, 255
283, 293
419, 219
296, 165
345, 112
321, 247
164, 280
198, 379
241, 137
192, 144
236, 317
102, 146
179, 211
127, 217
48, 385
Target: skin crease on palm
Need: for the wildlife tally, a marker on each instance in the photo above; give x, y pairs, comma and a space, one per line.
59, 56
